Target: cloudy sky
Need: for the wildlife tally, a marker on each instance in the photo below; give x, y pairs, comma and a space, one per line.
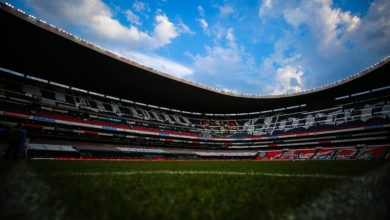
253, 47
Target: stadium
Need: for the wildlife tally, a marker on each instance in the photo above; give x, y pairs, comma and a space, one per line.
165, 147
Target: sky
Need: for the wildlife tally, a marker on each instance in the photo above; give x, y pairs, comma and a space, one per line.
255, 47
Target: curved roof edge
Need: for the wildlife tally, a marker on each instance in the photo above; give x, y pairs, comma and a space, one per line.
97, 48
50, 53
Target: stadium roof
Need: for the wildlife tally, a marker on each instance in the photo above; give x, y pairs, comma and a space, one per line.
33, 47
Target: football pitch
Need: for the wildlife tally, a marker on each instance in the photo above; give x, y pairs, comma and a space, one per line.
194, 189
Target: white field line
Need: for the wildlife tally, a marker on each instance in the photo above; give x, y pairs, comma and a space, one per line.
170, 172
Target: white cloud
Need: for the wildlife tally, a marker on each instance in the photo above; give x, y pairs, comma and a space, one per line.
217, 60
230, 35
203, 23
183, 28
227, 68
329, 26
287, 80
201, 11
164, 31
133, 18
275, 8
314, 47
223, 88
140, 6
97, 17
310, 51
225, 10
373, 35
219, 31
326, 23
157, 62
266, 5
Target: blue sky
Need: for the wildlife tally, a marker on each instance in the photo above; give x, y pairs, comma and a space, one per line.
252, 47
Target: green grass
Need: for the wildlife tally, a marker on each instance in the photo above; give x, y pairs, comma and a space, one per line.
111, 190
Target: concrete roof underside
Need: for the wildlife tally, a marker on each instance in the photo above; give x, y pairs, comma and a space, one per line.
32, 48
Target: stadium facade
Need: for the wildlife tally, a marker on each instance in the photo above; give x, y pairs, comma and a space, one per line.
76, 100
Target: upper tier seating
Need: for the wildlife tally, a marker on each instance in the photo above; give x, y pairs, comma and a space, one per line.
98, 110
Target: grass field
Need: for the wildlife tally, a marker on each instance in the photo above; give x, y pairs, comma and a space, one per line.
194, 190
